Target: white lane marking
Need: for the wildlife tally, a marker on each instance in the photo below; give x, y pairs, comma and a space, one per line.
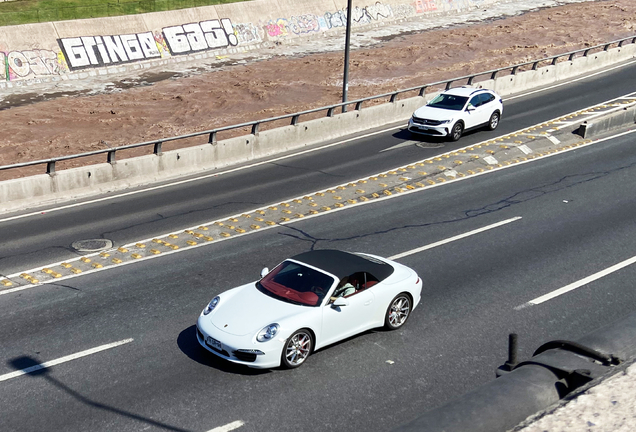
228, 427
490, 160
452, 239
383, 198
525, 149
578, 284
110, 197
65, 359
397, 146
571, 81
554, 140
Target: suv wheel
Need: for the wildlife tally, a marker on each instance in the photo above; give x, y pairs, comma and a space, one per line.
456, 132
494, 121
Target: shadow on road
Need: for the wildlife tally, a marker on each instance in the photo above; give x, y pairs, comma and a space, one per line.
431, 141
26, 362
188, 344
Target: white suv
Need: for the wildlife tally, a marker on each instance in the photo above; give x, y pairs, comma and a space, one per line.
457, 110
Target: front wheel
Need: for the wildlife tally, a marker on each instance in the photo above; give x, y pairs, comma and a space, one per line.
398, 312
297, 349
457, 131
494, 120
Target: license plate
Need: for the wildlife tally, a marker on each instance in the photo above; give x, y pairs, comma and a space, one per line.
214, 343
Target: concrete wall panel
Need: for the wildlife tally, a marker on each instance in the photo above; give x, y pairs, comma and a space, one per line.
155, 21
100, 26
28, 36
254, 12
303, 7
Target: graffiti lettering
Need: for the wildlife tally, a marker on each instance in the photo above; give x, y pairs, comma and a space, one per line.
337, 19
402, 11
304, 24
31, 63
360, 16
425, 6
276, 28
379, 11
187, 38
247, 33
88, 51
365, 15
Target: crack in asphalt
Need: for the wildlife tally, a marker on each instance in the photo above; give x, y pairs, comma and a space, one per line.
533, 193
563, 183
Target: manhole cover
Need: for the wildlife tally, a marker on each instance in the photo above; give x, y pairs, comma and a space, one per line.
93, 245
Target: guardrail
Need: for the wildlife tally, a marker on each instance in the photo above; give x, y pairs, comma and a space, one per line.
329, 110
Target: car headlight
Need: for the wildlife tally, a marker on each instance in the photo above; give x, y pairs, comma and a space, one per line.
210, 307
267, 333
444, 122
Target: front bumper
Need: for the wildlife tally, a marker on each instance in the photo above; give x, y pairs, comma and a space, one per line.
240, 349
427, 129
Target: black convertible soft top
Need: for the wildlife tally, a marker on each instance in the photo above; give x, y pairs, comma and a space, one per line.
341, 264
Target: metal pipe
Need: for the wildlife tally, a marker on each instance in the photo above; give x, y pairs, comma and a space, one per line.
345, 79
512, 349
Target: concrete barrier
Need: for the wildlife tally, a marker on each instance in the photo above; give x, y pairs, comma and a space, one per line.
619, 118
546, 75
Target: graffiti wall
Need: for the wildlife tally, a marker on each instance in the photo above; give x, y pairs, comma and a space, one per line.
96, 51
306, 24
86, 51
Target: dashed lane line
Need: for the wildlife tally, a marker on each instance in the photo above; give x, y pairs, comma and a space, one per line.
228, 427
61, 360
455, 238
578, 284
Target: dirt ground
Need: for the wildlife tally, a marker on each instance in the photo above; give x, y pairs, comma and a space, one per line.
261, 89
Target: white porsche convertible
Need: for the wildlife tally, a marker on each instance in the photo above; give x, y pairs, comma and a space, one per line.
307, 302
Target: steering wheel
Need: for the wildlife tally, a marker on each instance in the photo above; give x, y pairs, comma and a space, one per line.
318, 290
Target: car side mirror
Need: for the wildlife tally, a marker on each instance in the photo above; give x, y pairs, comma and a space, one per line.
470, 108
340, 301
264, 272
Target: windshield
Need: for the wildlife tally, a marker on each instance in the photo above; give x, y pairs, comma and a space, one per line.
446, 101
296, 283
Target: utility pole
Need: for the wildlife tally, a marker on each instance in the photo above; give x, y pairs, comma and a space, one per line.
345, 79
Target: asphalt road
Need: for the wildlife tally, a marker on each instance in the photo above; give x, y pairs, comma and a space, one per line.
576, 214
38, 240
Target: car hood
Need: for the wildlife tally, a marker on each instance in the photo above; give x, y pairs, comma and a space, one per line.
245, 310
427, 112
